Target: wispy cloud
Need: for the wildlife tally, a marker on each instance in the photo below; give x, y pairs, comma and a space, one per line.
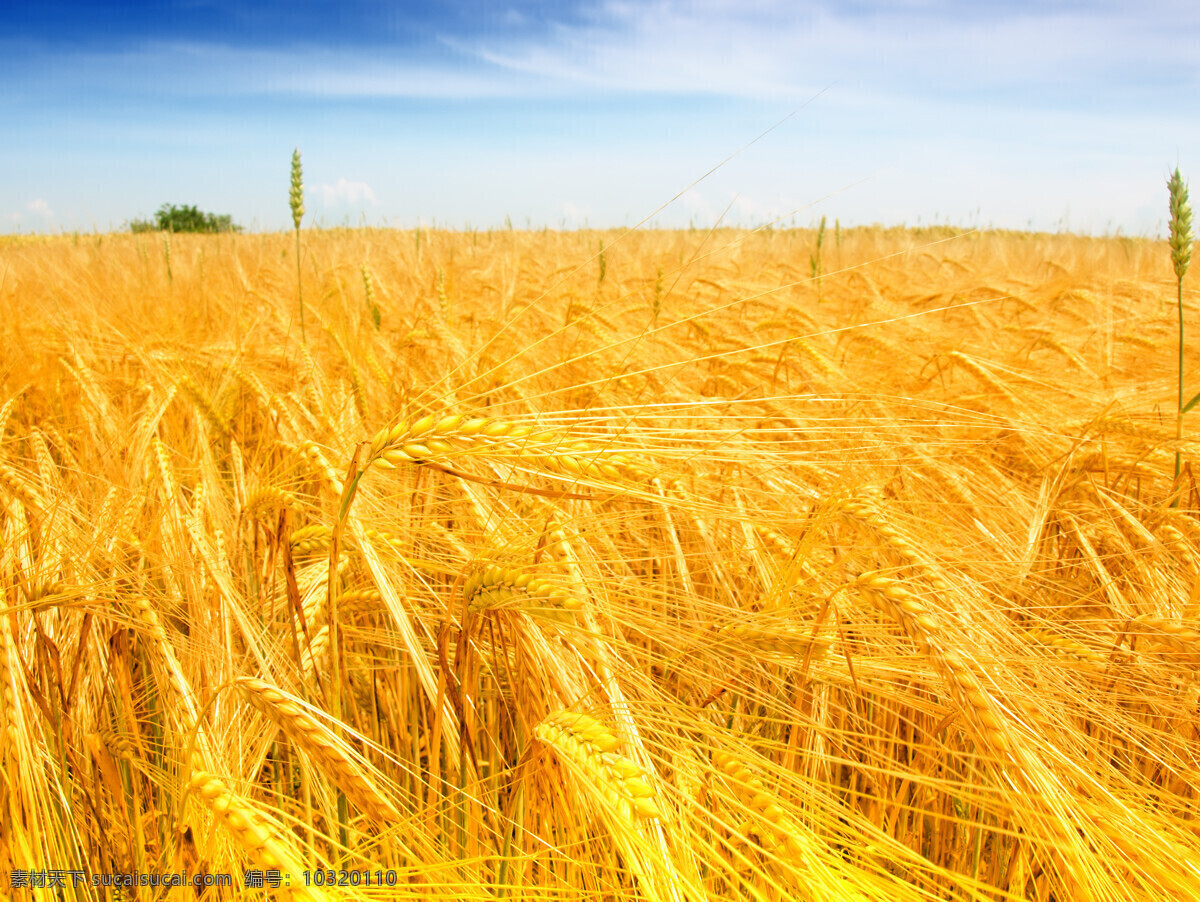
774, 49
1037, 55
575, 216
37, 209
345, 193
209, 70
697, 206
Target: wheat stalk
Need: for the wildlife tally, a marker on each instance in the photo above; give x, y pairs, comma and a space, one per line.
267, 499
310, 540
495, 584
296, 202
254, 831
321, 744
960, 673
430, 439
586, 743
1180, 242
372, 306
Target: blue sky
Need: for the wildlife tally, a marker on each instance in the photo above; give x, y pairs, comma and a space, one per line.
1045, 115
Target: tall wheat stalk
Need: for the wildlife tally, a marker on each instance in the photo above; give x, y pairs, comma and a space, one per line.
296, 199
814, 258
1181, 255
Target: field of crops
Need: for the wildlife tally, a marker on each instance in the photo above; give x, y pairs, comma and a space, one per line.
665, 565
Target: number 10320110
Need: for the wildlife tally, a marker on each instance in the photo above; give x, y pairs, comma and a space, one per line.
349, 878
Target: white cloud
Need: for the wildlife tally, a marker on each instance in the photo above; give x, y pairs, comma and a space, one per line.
194, 69
748, 211
345, 193
764, 49
332, 75
778, 49
697, 208
36, 209
575, 216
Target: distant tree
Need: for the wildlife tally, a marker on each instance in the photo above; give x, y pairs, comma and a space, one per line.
183, 218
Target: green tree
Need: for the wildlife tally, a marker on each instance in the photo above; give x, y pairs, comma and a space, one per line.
184, 218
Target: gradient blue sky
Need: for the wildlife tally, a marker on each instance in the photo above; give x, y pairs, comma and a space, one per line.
1044, 115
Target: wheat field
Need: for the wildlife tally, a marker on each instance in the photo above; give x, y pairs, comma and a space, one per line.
660, 565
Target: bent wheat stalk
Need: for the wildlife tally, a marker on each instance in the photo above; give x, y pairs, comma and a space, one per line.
261, 838
587, 744
326, 749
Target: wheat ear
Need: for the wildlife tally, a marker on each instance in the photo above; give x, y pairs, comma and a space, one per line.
266, 499
311, 539
587, 744
255, 832
296, 202
1182, 641
781, 836
321, 745
9, 714
960, 674
865, 508
495, 584
1180, 242
205, 405
431, 438
1064, 645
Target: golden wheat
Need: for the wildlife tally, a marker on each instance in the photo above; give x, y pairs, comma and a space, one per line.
582, 740
961, 674
493, 585
645, 498
261, 839
325, 748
